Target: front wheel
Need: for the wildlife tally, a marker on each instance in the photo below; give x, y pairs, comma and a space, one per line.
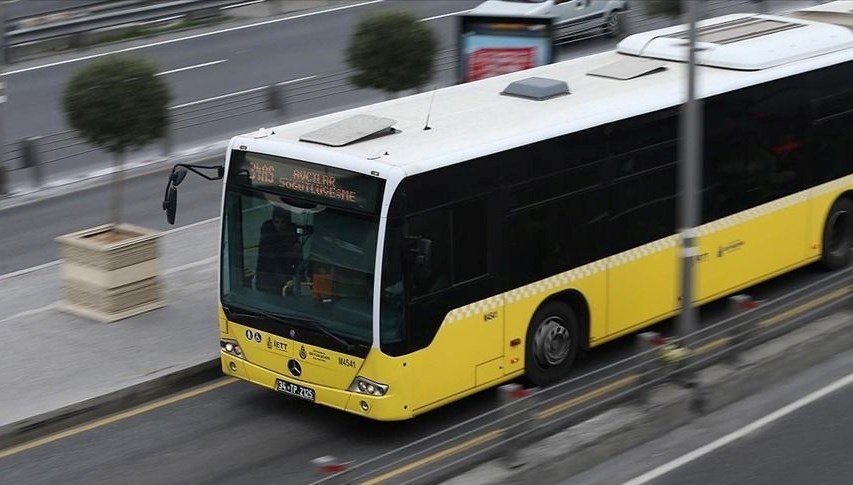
552, 344
612, 25
838, 235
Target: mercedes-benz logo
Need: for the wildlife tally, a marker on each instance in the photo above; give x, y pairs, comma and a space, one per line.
294, 368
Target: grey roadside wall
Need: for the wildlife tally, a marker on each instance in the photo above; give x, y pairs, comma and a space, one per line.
669, 406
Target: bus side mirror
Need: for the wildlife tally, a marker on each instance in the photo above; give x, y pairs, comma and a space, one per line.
177, 176
170, 204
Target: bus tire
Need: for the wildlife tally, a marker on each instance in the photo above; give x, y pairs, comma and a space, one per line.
838, 235
552, 343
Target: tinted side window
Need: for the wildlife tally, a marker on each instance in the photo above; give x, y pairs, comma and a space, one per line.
459, 245
643, 180
756, 146
434, 226
643, 196
832, 135
555, 223
469, 240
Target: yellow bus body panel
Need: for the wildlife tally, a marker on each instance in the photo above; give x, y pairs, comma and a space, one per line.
482, 344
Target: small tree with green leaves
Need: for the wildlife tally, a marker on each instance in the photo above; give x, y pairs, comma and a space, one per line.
391, 51
118, 104
669, 8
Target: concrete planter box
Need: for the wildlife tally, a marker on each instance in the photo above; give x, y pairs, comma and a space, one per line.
110, 272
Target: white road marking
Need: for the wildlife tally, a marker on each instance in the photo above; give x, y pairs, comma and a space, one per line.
296, 80
252, 2
222, 96
212, 63
29, 313
740, 433
189, 37
451, 14
236, 93
28, 270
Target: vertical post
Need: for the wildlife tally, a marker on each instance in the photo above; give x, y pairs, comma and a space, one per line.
31, 158
168, 140
276, 101
690, 149
3, 181
651, 364
118, 181
511, 394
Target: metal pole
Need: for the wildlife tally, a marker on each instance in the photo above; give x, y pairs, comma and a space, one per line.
3, 167
690, 148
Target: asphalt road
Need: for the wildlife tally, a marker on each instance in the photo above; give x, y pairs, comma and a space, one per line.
810, 445
216, 61
239, 432
223, 62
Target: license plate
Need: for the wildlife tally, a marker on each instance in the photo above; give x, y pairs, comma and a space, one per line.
301, 392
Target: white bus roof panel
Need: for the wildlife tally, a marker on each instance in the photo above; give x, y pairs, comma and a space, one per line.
473, 120
742, 41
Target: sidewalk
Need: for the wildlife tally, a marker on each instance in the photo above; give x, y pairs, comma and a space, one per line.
53, 360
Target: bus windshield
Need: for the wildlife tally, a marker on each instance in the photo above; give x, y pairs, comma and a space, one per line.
294, 257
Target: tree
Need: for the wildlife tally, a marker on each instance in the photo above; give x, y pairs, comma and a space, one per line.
117, 103
391, 51
669, 8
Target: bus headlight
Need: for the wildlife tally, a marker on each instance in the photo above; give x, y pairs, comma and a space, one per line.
231, 347
366, 386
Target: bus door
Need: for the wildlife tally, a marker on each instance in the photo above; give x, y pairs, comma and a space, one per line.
453, 316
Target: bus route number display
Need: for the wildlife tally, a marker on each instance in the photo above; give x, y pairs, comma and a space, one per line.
315, 182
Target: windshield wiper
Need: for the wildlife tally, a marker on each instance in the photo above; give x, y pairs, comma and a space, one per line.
287, 320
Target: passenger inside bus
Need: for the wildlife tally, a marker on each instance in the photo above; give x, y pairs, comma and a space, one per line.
279, 252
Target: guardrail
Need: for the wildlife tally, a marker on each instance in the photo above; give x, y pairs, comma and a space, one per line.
502, 431
137, 13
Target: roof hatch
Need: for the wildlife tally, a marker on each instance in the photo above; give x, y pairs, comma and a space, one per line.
350, 130
628, 68
537, 88
840, 13
744, 42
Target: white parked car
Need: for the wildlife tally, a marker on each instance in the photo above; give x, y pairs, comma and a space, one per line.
572, 18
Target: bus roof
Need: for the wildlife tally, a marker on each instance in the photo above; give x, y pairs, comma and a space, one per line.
472, 120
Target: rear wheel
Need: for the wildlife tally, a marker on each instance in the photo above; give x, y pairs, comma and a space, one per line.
838, 235
552, 343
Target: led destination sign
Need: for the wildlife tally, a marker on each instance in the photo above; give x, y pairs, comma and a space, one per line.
317, 183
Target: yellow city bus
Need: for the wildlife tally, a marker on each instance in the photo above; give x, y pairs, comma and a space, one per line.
382, 266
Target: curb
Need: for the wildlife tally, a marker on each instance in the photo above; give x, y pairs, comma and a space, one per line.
110, 403
669, 406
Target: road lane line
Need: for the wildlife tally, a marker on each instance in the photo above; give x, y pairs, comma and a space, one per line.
56, 262
221, 96
29, 270
306, 78
805, 307
479, 440
189, 37
236, 93
29, 313
740, 433
252, 2
118, 417
625, 381
451, 14
181, 69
